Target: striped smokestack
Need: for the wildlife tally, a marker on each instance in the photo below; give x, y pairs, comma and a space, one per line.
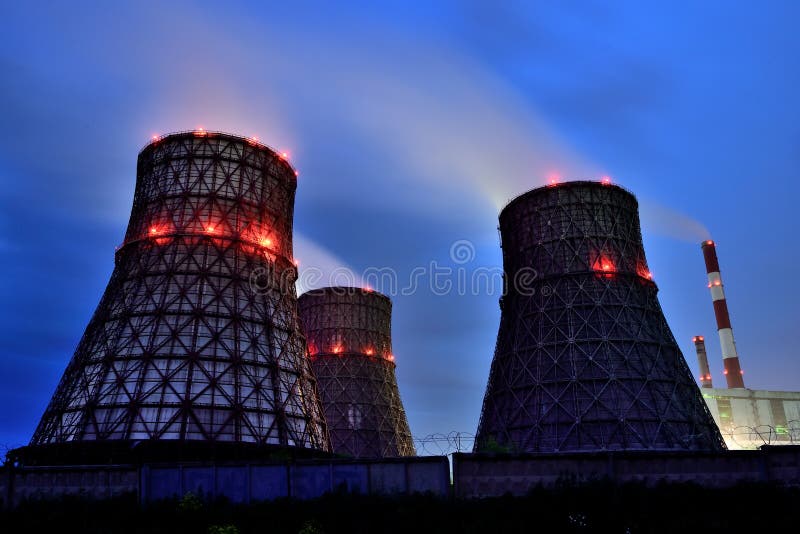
702, 360
730, 358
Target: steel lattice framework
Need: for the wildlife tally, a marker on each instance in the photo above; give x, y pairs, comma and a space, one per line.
350, 344
585, 360
197, 337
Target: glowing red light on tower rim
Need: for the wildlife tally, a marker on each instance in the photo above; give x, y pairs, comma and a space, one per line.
369, 352
337, 349
605, 180
210, 229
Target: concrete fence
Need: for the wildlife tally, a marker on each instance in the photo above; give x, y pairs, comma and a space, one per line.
302, 480
491, 475
474, 475
240, 482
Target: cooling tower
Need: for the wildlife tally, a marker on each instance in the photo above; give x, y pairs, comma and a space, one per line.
196, 338
585, 360
350, 344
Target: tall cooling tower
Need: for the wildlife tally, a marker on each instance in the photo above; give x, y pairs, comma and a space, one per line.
196, 338
585, 360
350, 344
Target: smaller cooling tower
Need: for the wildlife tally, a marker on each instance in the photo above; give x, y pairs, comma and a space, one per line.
348, 331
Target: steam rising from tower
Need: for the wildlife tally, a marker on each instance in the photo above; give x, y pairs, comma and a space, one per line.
730, 358
584, 359
196, 338
350, 344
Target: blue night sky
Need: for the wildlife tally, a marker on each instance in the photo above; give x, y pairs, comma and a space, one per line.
411, 127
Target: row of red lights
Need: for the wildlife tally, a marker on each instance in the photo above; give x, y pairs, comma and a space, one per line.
210, 229
554, 180
605, 266
159, 236
339, 349
253, 140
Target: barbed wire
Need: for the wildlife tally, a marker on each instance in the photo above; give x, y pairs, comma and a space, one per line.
745, 437
444, 444
750, 436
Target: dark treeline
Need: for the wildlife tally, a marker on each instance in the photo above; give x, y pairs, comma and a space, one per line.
599, 507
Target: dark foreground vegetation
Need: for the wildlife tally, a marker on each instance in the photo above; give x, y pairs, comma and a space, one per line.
599, 507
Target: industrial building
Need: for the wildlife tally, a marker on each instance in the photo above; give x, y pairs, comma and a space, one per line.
350, 345
195, 344
585, 360
750, 418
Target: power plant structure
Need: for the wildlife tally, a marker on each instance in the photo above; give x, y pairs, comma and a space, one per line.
702, 361
747, 418
196, 340
348, 331
585, 360
202, 372
730, 357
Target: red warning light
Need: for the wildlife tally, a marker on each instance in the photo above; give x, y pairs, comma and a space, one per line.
390, 357
200, 132
156, 138
210, 229
252, 140
337, 349
154, 230
284, 155
709, 242
369, 352
604, 266
265, 242
605, 180
368, 289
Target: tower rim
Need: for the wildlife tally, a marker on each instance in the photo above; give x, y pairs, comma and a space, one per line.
530, 193
216, 134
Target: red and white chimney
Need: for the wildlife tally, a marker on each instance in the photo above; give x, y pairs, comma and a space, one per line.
730, 358
702, 361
